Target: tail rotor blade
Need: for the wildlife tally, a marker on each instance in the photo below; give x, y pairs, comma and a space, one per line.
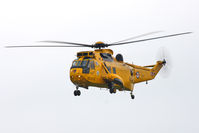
163, 54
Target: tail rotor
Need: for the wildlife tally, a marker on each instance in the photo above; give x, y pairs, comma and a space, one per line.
163, 55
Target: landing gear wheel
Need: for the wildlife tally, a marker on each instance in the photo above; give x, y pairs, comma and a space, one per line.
77, 93
132, 96
111, 90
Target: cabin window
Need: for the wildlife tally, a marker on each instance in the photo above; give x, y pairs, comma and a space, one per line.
109, 69
131, 72
92, 65
96, 63
91, 53
106, 57
114, 70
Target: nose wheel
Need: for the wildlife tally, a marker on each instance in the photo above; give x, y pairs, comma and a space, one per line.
77, 92
112, 90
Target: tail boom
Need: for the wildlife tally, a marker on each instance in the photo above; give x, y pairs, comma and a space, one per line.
145, 73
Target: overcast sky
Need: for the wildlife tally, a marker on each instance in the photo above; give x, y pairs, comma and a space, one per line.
36, 94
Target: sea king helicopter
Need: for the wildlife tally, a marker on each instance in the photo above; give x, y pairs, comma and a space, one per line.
99, 68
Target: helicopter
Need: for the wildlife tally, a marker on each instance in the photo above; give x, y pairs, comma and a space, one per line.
99, 68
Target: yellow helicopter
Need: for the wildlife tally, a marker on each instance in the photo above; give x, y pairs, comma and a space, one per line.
99, 68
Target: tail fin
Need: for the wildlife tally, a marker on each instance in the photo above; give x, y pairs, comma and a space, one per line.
156, 68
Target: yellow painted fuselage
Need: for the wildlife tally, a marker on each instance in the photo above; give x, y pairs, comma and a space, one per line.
100, 69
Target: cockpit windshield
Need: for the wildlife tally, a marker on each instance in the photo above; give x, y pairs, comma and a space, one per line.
74, 63
80, 64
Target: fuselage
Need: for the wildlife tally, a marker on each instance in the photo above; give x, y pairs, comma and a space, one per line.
99, 68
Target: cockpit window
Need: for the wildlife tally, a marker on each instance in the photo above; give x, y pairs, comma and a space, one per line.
85, 54
81, 64
79, 54
109, 69
84, 63
78, 63
87, 58
74, 63
91, 53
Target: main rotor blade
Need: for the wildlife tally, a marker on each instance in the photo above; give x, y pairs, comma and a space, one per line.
61, 42
148, 39
38, 46
142, 35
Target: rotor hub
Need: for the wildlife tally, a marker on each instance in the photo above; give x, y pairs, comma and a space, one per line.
100, 45
164, 62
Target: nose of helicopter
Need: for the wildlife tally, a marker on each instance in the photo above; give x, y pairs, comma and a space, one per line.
77, 77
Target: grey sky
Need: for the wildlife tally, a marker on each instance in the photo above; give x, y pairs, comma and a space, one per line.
36, 95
